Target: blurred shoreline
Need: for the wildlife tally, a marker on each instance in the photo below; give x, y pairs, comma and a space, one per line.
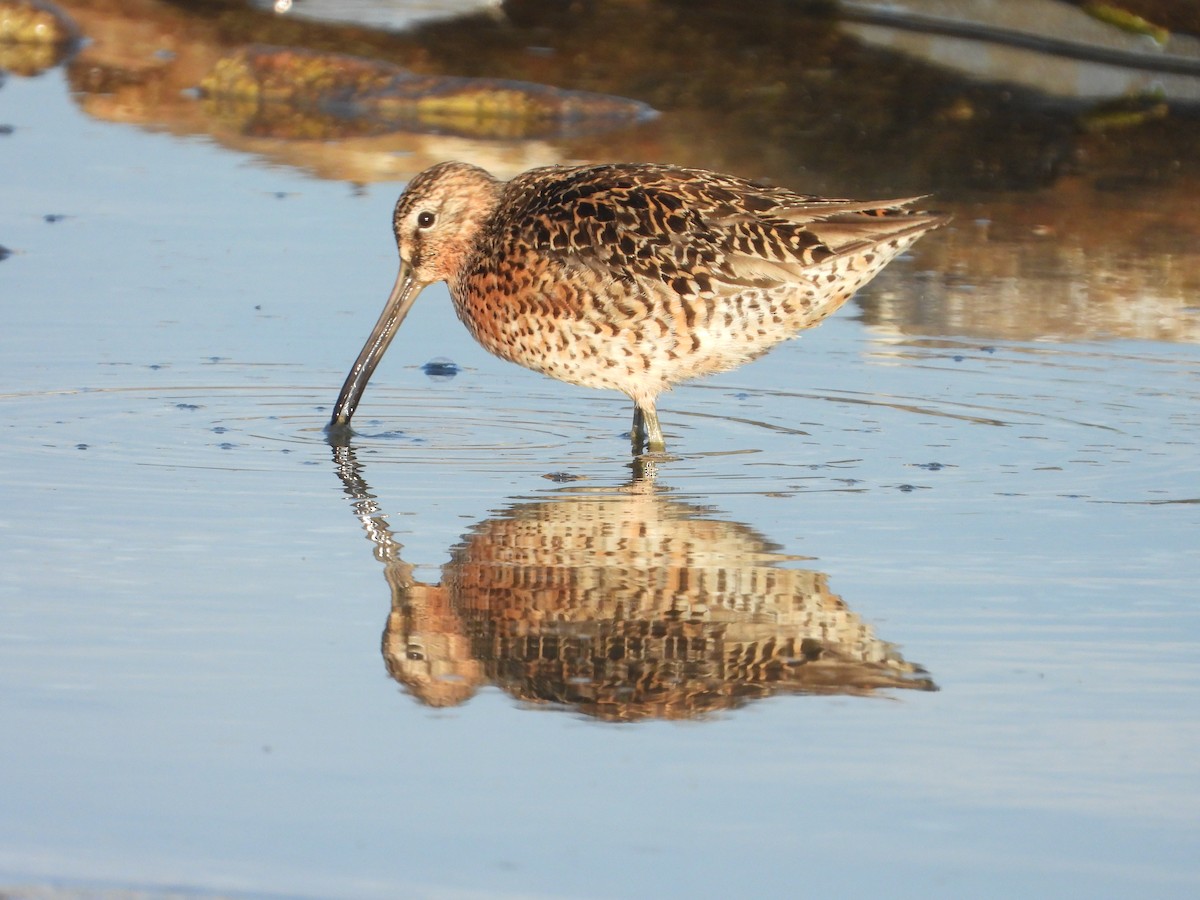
1092, 201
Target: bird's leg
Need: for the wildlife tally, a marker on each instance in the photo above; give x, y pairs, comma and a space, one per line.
637, 431
646, 432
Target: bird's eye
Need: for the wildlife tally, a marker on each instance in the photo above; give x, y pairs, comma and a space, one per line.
425, 220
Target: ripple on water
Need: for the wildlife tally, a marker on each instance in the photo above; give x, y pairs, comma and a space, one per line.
244, 427
1118, 418
1097, 422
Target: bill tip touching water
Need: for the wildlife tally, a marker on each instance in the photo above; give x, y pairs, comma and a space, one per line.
626, 276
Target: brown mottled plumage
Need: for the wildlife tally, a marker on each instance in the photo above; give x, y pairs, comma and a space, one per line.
626, 276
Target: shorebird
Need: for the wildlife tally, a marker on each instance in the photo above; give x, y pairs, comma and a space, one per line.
633, 277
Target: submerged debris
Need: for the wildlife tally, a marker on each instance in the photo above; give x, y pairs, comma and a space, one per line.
441, 369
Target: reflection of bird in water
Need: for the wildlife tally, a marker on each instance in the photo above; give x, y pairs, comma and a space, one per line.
623, 605
629, 277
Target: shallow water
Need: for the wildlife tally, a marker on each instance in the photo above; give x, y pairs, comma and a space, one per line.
194, 690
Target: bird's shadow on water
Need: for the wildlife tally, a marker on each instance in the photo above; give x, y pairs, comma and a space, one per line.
619, 603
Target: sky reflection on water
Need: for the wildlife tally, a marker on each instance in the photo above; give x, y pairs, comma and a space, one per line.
191, 682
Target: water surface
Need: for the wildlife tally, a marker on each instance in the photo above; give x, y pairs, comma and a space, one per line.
475, 655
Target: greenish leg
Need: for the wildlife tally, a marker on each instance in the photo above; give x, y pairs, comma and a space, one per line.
646, 431
654, 435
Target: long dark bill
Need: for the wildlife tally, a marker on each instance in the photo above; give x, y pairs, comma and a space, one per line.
404, 292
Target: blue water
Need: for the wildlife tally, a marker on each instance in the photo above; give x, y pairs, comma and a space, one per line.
191, 685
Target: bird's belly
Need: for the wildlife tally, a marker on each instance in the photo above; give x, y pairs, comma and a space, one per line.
605, 336
580, 350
